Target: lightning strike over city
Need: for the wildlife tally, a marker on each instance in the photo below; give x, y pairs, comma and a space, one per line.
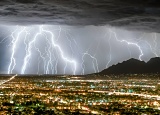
79, 57
49, 49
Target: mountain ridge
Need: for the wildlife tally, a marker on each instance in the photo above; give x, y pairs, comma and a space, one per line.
134, 66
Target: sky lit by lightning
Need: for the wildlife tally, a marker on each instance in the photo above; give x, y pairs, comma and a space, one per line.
49, 49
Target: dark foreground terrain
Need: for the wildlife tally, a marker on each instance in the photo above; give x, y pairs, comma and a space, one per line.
74, 95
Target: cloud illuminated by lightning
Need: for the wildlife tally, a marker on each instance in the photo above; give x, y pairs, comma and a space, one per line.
129, 43
58, 51
14, 42
49, 36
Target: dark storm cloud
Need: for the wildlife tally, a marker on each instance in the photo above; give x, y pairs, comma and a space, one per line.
131, 14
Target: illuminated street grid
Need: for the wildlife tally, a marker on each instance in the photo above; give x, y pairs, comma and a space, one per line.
73, 95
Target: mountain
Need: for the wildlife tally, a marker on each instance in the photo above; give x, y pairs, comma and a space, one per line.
134, 66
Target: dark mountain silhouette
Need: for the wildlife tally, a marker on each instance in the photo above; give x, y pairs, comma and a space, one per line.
134, 66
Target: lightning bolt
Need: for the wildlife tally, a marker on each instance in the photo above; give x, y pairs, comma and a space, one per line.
51, 54
152, 49
14, 42
129, 43
94, 60
67, 60
155, 47
96, 69
48, 52
28, 53
110, 50
48, 57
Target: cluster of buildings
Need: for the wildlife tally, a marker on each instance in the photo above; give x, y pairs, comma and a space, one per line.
65, 95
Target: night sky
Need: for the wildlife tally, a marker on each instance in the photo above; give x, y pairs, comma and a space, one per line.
76, 37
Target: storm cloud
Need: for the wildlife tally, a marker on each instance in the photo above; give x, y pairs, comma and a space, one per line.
131, 14
94, 34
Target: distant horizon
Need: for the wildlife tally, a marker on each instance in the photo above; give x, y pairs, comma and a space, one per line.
76, 57
71, 50
79, 74
76, 37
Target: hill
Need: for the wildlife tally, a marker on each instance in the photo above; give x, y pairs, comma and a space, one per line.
134, 66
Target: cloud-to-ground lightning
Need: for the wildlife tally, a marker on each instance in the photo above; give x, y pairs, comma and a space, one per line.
129, 43
110, 50
56, 50
153, 49
94, 62
67, 60
30, 44
155, 44
14, 42
93, 59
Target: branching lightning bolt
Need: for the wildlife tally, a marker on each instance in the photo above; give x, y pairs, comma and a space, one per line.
129, 43
51, 54
110, 50
94, 61
14, 42
61, 51
47, 58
